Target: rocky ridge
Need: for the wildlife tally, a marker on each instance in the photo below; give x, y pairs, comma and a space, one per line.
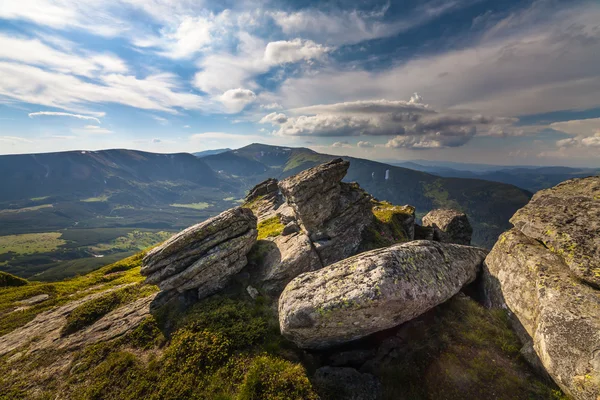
545, 271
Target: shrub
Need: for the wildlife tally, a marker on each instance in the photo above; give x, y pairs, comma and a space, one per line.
9, 280
146, 335
196, 352
271, 378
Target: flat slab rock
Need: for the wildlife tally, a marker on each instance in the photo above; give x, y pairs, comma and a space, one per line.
566, 218
203, 256
559, 314
374, 291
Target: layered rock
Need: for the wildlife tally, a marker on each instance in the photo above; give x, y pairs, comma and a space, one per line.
545, 273
449, 226
204, 256
373, 291
264, 188
334, 214
566, 218
314, 193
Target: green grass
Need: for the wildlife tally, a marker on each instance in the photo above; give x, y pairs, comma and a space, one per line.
30, 243
271, 227
25, 209
194, 206
9, 280
386, 228
98, 199
91, 311
63, 292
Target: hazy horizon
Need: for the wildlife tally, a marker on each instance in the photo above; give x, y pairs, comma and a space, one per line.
477, 81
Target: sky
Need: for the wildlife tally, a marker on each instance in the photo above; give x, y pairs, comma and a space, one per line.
484, 81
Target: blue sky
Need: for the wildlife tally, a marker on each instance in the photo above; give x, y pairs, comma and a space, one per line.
497, 81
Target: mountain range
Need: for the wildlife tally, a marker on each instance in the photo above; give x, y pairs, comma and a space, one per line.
108, 203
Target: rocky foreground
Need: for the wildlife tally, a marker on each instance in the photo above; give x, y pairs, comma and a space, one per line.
315, 271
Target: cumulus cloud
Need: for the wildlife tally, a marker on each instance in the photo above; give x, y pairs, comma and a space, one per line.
235, 100
579, 127
580, 141
283, 51
365, 145
413, 124
341, 144
63, 114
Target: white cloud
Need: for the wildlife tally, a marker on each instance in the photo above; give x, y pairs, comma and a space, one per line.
349, 27
341, 144
161, 92
415, 125
14, 140
579, 127
282, 52
34, 52
365, 145
501, 74
271, 106
160, 120
63, 114
235, 100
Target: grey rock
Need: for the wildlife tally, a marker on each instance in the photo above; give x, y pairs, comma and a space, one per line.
314, 193
341, 235
450, 226
281, 259
566, 218
34, 300
291, 227
264, 188
374, 291
351, 358
559, 313
204, 256
346, 383
252, 292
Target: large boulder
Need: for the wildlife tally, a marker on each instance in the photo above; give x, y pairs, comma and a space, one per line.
566, 218
314, 193
374, 291
449, 226
262, 189
204, 256
545, 272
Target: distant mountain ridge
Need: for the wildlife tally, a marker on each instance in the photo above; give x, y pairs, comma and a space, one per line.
489, 205
529, 178
205, 153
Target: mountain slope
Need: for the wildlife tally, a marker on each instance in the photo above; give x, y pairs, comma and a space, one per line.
489, 205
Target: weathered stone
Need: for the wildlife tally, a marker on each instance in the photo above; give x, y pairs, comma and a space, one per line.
281, 259
341, 235
450, 226
566, 218
264, 188
204, 256
374, 291
34, 300
291, 227
252, 292
559, 313
346, 383
315, 192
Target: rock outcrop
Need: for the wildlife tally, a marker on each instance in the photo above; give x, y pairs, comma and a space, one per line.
264, 188
449, 226
204, 256
374, 291
333, 214
545, 271
566, 218
314, 193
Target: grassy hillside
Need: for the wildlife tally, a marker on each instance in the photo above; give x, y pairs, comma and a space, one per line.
229, 347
